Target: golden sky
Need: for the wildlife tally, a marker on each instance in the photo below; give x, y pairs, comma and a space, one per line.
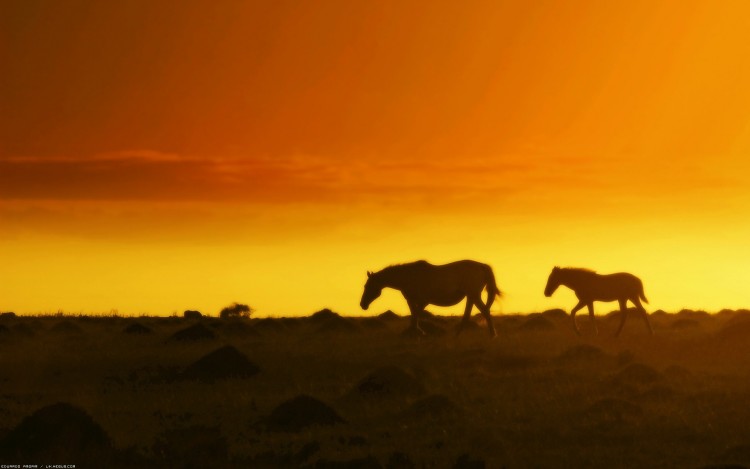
162, 156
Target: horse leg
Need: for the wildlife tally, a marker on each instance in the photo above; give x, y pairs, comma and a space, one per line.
573, 316
487, 317
591, 315
466, 318
624, 313
416, 311
644, 313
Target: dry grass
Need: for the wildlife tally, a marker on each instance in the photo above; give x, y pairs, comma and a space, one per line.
534, 397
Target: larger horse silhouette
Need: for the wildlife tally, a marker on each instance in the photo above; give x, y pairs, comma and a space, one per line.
590, 286
424, 284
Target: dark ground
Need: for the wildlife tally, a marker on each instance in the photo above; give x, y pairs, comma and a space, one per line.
330, 391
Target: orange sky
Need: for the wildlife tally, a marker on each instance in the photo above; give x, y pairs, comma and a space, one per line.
160, 156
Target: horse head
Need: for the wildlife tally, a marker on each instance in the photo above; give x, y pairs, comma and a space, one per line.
552, 282
373, 288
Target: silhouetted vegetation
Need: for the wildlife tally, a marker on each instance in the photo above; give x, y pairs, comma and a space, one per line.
236, 310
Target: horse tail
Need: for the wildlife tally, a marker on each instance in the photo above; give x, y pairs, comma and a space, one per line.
492, 288
642, 295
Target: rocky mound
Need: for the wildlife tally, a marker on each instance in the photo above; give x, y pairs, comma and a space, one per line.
223, 363
55, 433
299, 413
192, 333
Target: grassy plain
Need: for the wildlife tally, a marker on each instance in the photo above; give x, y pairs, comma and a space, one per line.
537, 396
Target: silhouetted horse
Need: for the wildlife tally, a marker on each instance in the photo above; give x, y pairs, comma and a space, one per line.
422, 284
590, 286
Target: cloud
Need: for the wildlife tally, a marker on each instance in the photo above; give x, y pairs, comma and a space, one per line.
151, 175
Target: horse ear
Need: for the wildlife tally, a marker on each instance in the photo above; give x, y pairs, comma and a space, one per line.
369, 274
556, 268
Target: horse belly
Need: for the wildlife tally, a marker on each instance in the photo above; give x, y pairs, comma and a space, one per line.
447, 298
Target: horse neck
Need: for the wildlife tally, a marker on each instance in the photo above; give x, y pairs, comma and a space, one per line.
575, 280
392, 278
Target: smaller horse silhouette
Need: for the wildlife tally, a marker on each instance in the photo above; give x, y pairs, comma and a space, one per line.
590, 286
422, 284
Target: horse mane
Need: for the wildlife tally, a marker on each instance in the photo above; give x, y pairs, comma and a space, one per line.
397, 267
578, 270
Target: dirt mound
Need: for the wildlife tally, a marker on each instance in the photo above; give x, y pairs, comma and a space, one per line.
324, 315
195, 446
223, 363
584, 355
692, 314
66, 327
612, 411
387, 382
375, 324
735, 331
195, 332
299, 413
638, 374
137, 329
236, 327
432, 407
337, 324
556, 314
683, 324
389, 315
367, 462
55, 433
738, 317
23, 329
536, 322
269, 325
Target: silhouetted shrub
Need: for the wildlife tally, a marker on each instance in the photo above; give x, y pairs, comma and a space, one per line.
8, 315
192, 314
236, 310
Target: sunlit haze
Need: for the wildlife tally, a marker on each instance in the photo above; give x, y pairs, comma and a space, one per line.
163, 156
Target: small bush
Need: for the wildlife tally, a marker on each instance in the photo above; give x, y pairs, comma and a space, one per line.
236, 310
